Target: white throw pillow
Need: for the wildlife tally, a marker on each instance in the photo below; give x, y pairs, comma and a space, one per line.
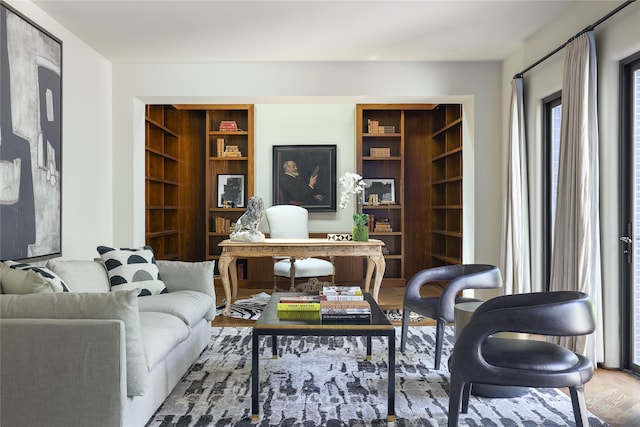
81, 275
132, 269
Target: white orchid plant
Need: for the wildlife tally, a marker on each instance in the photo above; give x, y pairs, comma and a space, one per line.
352, 183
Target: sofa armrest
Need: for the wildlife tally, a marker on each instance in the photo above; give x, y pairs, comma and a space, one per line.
62, 372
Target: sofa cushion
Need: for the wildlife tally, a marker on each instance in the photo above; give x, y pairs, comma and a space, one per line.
191, 276
17, 278
189, 306
70, 305
81, 275
161, 333
132, 269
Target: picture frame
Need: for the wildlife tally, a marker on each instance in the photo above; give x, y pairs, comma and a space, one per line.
231, 190
31, 149
293, 169
382, 188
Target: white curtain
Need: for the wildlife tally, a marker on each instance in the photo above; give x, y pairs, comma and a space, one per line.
516, 264
575, 260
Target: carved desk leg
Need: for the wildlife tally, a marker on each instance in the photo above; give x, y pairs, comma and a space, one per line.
380, 264
225, 264
367, 278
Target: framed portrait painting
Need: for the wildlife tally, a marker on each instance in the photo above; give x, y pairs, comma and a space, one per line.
305, 175
31, 148
231, 191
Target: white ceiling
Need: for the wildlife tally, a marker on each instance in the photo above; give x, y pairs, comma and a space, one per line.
151, 31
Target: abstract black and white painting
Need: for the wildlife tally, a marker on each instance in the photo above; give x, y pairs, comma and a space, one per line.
30, 139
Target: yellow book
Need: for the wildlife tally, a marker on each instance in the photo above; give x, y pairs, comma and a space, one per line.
299, 306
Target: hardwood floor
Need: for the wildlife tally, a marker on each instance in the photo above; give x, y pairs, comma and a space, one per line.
612, 395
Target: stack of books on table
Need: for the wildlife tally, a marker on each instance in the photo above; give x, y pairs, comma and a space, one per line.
358, 312
342, 293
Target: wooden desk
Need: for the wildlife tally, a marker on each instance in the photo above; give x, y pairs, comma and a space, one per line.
301, 248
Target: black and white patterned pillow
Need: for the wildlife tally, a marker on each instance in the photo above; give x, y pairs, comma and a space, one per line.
132, 269
56, 283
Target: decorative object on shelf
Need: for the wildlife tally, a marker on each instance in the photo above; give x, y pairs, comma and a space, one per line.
231, 191
305, 175
379, 191
246, 229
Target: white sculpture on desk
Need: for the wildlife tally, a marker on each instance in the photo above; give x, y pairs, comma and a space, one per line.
247, 225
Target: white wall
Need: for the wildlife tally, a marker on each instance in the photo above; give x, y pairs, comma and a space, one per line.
616, 39
87, 219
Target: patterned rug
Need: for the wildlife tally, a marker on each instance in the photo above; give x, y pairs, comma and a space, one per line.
327, 381
250, 308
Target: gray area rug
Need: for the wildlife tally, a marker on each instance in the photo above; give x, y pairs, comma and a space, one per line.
327, 381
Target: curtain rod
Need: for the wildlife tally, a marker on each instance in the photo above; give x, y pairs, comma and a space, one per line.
588, 28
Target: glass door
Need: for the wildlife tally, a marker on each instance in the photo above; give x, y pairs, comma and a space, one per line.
630, 212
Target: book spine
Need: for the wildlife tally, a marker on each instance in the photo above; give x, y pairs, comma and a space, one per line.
326, 311
346, 318
302, 306
345, 297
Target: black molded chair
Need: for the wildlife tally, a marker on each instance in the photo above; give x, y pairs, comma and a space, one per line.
459, 277
479, 358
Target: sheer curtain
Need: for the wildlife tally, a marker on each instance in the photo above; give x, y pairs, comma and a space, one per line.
575, 260
516, 264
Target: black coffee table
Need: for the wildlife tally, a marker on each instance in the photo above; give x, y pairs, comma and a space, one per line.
270, 325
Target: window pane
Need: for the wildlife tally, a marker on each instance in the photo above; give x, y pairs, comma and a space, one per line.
636, 217
556, 115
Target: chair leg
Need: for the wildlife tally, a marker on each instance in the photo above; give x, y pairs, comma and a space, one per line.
455, 394
579, 406
333, 275
405, 325
466, 393
292, 275
439, 338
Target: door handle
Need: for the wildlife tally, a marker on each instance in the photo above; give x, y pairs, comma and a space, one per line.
626, 239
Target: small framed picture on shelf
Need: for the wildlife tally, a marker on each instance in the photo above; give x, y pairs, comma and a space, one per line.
379, 191
231, 191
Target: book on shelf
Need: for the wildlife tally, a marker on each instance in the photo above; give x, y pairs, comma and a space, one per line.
380, 152
231, 151
344, 307
299, 306
342, 293
223, 225
228, 126
220, 147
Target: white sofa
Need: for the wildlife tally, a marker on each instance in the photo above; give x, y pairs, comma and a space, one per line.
91, 357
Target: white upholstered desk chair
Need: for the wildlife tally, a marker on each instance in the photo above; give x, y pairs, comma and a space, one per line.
291, 222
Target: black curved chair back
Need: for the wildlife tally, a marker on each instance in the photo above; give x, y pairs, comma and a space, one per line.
441, 308
481, 358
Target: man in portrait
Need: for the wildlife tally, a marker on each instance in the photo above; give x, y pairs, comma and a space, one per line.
295, 190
